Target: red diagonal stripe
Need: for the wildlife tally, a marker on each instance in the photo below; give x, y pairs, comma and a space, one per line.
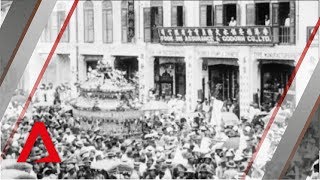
293, 75
35, 86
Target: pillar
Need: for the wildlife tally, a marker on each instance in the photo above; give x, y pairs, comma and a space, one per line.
74, 73
245, 74
193, 79
111, 60
82, 69
146, 73
143, 91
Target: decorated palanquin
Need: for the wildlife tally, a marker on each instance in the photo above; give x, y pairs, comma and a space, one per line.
107, 100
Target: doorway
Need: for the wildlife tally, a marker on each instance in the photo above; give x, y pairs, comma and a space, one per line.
274, 78
224, 82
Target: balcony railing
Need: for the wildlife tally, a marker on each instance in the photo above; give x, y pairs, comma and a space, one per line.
284, 35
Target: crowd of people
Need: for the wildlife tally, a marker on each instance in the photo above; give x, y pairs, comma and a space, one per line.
173, 144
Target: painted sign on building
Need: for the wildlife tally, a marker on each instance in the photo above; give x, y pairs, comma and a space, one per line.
254, 35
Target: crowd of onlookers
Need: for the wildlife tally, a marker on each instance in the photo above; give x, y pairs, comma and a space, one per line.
173, 144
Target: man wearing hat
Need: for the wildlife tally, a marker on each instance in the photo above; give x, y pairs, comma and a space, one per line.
231, 171
204, 172
71, 172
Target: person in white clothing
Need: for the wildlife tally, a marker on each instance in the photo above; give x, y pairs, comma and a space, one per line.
267, 21
233, 22
287, 21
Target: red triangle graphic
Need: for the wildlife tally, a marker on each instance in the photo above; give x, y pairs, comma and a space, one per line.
39, 129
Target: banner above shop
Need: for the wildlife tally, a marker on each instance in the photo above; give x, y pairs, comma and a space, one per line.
249, 35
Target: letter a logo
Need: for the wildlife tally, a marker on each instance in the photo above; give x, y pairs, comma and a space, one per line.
39, 129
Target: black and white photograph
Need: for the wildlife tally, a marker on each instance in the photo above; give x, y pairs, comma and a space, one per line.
160, 89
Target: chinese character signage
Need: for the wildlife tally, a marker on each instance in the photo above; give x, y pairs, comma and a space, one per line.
130, 20
216, 35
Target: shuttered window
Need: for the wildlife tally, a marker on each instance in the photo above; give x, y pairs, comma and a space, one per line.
46, 33
275, 22
206, 15
177, 13
250, 11
147, 24
61, 16
275, 14
238, 16
218, 15
88, 22
124, 20
292, 22
203, 15
107, 23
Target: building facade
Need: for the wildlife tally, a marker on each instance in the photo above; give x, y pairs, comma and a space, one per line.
126, 34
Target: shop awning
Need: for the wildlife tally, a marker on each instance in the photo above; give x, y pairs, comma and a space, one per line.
276, 61
217, 61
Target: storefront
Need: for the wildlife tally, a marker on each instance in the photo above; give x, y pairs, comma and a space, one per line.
128, 64
223, 79
170, 76
91, 61
274, 78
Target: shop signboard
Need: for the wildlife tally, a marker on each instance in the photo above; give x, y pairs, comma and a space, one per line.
248, 35
315, 41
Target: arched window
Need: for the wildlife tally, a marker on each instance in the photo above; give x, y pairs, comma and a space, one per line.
88, 21
107, 21
61, 16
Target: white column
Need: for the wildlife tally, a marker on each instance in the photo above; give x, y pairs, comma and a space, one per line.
111, 59
82, 68
166, 13
116, 12
193, 78
245, 94
98, 22
142, 84
146, 64
73, 69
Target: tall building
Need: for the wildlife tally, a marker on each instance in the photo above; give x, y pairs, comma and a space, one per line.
234, 50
